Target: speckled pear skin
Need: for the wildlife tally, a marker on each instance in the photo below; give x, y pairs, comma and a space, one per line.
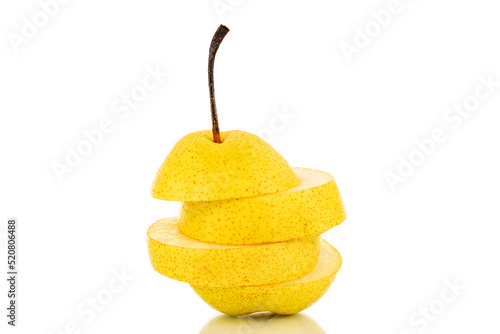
180, 257
309, 209
243, 165
284, 298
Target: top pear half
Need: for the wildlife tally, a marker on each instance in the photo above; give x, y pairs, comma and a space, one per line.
242, 165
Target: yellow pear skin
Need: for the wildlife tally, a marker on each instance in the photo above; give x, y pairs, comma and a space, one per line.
284, 298
311, 208
243, 165
180, 257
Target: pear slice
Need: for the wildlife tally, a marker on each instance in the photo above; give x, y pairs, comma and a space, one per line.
180, 257
285, 298
243, 165
311, 208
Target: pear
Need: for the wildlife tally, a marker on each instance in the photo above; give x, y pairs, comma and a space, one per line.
248, 237
311, 208
206, 166
180, 257
284, 298
263, 323
242, 165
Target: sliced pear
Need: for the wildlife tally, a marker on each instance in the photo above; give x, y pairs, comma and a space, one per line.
311, 208
180, 257
243, 165
285, 298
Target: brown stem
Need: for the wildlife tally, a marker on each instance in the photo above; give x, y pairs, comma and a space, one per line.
214, 46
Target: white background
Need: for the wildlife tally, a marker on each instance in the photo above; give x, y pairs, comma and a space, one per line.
352, 119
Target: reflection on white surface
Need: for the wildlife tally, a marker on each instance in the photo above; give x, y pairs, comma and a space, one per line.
262, 323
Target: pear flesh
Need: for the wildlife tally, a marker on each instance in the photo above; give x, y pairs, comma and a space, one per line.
180, 257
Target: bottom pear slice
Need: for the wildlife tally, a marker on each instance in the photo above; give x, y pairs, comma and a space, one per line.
284, 298
183, 258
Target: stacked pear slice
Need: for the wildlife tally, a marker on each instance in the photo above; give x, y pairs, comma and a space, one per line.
248, 235
310, 208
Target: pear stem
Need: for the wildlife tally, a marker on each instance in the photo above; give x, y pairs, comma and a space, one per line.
214, 46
